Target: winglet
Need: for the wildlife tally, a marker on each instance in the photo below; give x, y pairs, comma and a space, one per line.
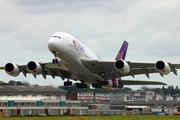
122, 52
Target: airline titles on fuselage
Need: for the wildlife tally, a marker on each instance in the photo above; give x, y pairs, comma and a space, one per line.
78, 45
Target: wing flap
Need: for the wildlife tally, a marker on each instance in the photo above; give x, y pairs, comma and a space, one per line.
48, 68
98, 66
107, 70
107, 67
175, 65
136, 82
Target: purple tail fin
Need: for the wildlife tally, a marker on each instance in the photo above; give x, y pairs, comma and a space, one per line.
122, 52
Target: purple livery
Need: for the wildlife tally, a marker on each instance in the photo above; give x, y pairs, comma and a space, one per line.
122, 52
116, 83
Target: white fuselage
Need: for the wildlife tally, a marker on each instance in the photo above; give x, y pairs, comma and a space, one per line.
70, 51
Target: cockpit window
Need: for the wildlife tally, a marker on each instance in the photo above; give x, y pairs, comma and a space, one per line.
57, 37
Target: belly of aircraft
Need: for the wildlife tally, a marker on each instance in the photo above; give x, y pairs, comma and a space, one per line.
72, 62
81, 73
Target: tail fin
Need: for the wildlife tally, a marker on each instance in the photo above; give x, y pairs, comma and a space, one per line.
122, 52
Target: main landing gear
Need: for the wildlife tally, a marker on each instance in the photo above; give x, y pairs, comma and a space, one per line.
78, 85
68, 83
66, 75
63, 74
81, 85
96, 85
100, 84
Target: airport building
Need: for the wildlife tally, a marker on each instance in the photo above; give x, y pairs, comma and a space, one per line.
37, 100
133, 96
47, 100
88, 96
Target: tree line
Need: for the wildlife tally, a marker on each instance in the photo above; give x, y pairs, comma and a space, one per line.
13, 82
163, 90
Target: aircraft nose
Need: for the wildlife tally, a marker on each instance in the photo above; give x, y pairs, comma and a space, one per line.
52, 43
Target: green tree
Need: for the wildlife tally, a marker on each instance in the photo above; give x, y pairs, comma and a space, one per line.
176, 90
168, 90
145, 88
19, 83
126, 89
2, 83
172, 90
163, 90
12, 82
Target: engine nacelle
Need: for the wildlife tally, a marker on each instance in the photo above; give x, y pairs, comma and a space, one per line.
122, 66
114, 83
34, 67
12, 69
162, 67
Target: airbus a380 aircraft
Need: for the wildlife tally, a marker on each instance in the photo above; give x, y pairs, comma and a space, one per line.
77, 62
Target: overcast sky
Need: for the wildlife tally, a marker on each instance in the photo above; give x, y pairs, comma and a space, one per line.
152, 28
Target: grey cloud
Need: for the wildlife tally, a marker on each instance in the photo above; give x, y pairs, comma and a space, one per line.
151, 27
71, 6
55, 6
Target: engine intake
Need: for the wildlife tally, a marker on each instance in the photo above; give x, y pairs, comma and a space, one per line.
12, 69
162, 67
122, 66
119, 64
34, 67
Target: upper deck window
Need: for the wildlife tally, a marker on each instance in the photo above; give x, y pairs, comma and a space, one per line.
57, 37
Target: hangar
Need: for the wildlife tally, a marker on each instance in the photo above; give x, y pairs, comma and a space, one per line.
37, 100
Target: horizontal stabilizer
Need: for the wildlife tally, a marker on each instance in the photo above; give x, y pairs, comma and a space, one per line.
139, 82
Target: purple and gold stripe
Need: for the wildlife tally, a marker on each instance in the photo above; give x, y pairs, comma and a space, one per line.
116, 83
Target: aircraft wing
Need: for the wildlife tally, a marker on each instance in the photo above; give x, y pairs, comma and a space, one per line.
107, 68
48, 68
136, 82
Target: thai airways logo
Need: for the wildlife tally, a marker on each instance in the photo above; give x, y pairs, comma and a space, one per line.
74, 42
120, 55
78, 45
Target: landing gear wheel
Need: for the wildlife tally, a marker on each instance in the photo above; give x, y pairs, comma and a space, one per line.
104, 83
54, 61
96, 85
67, 83
81, 85
84, 85
78, 85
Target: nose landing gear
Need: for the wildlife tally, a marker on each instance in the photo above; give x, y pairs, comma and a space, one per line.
54, 61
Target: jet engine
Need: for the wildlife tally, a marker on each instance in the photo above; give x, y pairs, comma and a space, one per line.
162, 67
122, 66
12, 69
34, 67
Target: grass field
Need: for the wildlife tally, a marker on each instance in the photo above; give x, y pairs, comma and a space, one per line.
96, 118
